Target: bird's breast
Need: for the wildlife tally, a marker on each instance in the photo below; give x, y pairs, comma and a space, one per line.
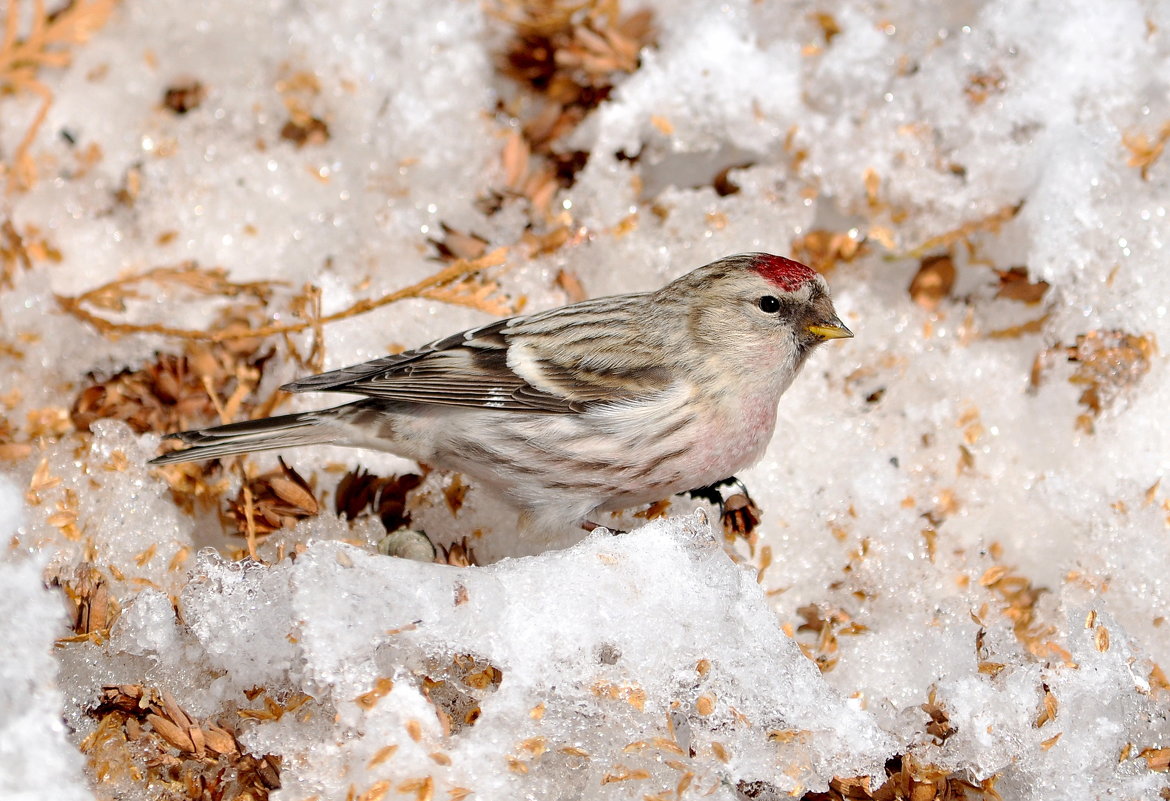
738, 435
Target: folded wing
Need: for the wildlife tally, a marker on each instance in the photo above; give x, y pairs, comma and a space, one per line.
556, 362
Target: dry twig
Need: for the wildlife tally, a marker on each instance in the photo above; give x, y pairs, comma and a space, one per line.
113, 294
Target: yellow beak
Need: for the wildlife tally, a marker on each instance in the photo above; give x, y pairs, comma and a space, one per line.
830, 330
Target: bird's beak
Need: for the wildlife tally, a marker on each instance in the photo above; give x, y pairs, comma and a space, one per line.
831, 329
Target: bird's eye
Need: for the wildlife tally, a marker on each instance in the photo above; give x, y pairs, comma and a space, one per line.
769, 304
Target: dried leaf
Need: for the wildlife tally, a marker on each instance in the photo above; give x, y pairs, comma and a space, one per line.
933, 281
277, 499
1109, 363
1014, 285
571, 286
184, 96
1157, 759
454, 493
48, 44
457, 245
311, 131
982, 85
457, 554
1144, 151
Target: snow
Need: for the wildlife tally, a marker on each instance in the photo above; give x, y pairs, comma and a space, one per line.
38, 759
951, 527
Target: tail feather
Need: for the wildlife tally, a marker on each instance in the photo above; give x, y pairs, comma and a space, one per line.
269, 433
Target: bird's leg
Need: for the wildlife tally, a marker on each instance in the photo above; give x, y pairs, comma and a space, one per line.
737, 512
712, 493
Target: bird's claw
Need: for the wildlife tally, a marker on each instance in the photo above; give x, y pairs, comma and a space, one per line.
738, 513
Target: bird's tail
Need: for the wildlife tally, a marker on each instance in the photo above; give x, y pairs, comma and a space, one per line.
269, 433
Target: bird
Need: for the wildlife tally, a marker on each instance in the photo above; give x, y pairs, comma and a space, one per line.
597, 406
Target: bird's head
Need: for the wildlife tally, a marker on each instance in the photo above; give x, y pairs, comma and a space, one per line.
763, 310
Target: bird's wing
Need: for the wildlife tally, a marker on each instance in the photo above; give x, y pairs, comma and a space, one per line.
554, 362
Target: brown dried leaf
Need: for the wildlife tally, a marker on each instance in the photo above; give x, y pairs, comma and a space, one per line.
360, 493
457, 245
933, 281
1157, 759
1144, 151
454, 493
184, 96
982, 85
220, 740
48, 44
297, 494
1014, 285
457, 554
260, 507
570, 284
827, 23
310, 131
171, 733
1109, 363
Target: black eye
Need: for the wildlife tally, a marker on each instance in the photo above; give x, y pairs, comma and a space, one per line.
769, 304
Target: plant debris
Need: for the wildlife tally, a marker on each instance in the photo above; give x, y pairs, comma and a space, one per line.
1019, 597
940, 727
145, 735
1014, 285
271, 501
1109, 363
933, 281
205, 385
184, 96
457, 245
457, 554
454, 492
989, 224
48, 44
567, 55
457, 688
93, 608
305, 131
361, 493
828, 623
19, 252
984, 85
907, 779
299, 91
1145, 151
823, 250
112, 297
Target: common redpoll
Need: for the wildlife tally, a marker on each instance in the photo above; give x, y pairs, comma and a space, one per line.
601, 405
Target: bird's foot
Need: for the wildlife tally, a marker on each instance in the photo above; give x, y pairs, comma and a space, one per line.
737, 512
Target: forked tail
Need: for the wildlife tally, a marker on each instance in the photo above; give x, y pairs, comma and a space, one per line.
269, 433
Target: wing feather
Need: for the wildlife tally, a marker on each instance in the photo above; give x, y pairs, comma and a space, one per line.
522, 364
